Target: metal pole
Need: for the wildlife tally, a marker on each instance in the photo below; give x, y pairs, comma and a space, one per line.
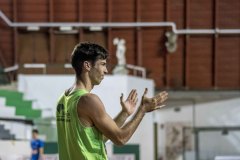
196, 138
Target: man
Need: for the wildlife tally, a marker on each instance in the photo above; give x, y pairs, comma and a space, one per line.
82, 122
37, 146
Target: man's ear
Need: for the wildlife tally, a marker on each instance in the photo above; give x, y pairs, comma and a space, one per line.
87, 65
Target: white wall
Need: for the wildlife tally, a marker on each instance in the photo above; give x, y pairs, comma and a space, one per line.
213, 113
13, 150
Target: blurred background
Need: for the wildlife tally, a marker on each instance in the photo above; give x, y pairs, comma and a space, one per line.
191, 48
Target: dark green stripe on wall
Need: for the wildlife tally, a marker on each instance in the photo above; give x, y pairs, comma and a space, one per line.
128, 149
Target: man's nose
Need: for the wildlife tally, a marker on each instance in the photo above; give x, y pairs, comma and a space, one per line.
106, 71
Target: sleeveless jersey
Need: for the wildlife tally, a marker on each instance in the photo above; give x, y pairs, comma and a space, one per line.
75, 141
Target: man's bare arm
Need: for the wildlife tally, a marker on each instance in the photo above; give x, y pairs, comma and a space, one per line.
94, 109
108, 127
128, 107
41, 153
147, 105
130, 127
119, 120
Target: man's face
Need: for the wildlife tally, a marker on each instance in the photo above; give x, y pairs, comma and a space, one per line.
34, 135
98, 70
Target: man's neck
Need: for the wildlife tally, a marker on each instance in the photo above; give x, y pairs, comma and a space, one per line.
83, 83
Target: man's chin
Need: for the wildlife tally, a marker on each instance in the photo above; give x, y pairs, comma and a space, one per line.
97, 83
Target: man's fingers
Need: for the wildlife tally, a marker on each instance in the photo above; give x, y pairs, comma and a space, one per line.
158, 107
121, 98
134, 96
130, 94
161, 97
135, 101
145, 92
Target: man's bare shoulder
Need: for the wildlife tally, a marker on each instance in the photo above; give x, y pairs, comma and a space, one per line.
89, 98
88, 107
90, 101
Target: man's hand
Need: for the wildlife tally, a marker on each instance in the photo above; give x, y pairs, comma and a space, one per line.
129, 105
150, 104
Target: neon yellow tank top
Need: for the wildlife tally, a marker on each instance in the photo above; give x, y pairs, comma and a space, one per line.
76, 142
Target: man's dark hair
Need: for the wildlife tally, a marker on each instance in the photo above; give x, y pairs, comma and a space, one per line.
35, 131
86, 51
